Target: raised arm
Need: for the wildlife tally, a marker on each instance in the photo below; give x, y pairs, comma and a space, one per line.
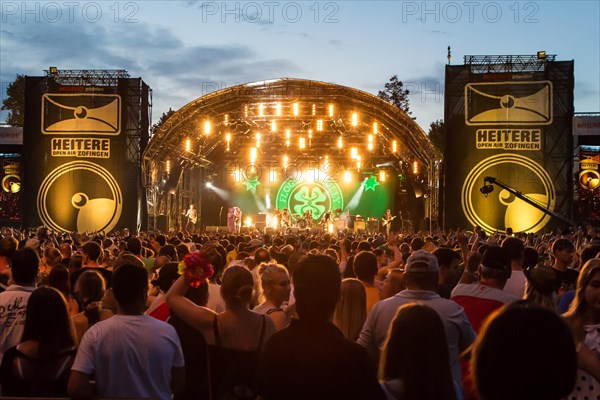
196, 316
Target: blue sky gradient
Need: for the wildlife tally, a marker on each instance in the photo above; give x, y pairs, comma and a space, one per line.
185, 49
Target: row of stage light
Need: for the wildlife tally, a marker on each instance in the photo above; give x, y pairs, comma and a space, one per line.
271, 113
325, 172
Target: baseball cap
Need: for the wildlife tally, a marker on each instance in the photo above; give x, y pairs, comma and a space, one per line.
255, 243
422, 261
496, 258
543, 278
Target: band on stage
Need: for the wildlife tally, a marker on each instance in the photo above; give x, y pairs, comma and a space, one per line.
329, 221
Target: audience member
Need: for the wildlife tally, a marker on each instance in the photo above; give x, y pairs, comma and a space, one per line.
311, 359
275, 283
421, 279
351, 309
524, 352
481, 299
89, 289
365, 270
583, 319
39, 365
91, 253
415, 362
516, 283
25, 265
392, 284
235, 337
449, 262
130, 354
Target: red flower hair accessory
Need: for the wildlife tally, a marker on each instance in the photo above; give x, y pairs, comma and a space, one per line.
195, 268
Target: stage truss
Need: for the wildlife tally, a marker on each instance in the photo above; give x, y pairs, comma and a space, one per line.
216, 132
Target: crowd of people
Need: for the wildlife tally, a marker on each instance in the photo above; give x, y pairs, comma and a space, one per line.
312, 315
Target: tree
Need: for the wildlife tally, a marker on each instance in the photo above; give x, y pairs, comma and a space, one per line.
395, 94
163, 118
437, 134
15, 101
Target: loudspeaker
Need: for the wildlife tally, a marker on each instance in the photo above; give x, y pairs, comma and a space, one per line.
373, 226
260, 225
224, 229
161, 223
359, 225
261, 218
211, 229
271, 231
246, 229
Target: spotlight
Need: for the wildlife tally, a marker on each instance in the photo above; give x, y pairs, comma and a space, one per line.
209, 185
541, 55
486, 189
53, 70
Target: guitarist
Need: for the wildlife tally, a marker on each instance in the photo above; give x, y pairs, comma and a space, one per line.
386, 221
192, 217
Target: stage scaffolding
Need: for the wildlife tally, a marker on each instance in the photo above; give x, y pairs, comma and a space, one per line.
245, 110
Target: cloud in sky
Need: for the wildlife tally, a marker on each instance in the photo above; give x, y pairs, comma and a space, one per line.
177, 72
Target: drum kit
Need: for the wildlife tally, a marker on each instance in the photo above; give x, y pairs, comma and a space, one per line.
306, 222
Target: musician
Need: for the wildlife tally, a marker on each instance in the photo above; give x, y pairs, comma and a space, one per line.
286, 219
386, 221
238, 219
277, 219
308, 217
231, 220
326, 219
192, 217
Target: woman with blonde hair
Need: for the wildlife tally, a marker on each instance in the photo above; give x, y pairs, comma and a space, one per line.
541, 285
583, 319
276, 289
235, 337
351, 309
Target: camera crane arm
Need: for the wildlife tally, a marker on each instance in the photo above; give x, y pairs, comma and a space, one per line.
487, 188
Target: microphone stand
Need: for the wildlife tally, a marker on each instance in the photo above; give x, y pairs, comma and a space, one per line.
220, 212
525, 198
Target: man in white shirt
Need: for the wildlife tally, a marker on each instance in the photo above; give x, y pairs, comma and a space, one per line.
130, 354
516, 283
25, 265
421, 278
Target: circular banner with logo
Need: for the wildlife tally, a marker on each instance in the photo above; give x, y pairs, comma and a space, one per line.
80, 196
500, 209
317, 197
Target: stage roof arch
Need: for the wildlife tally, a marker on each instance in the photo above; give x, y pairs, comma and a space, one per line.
277, 116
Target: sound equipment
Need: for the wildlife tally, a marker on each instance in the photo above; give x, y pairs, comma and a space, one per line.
261, 218
359, 225
162, 224
271, 231
261, 226
373, 226
211, 229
